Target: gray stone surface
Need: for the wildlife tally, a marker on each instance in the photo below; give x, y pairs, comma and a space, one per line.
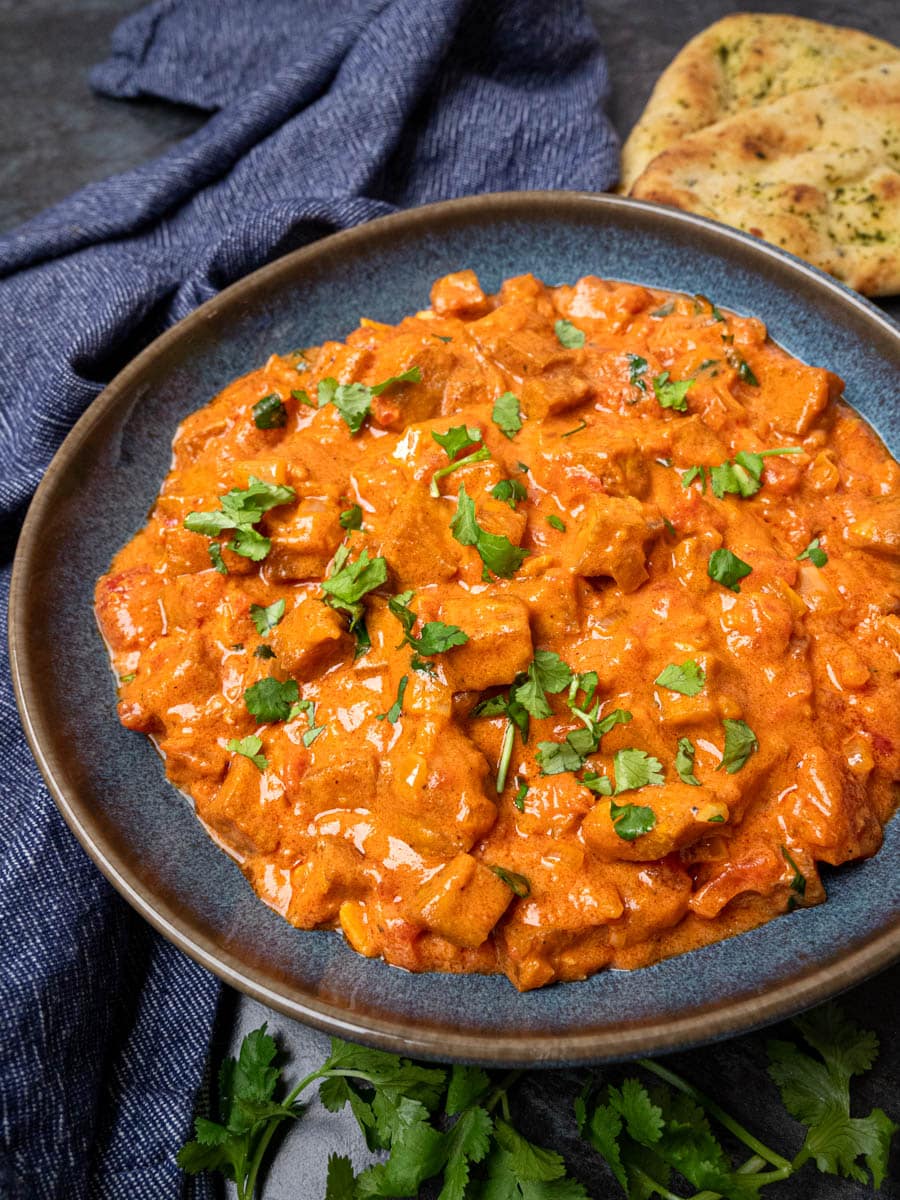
55, 136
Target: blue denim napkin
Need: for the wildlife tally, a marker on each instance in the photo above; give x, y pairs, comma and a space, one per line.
323, 115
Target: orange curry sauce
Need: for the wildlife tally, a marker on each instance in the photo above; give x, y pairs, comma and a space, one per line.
571, 561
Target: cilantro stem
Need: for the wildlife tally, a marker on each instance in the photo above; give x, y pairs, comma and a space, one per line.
498, 1095
478, 455
721, 1116
506, 749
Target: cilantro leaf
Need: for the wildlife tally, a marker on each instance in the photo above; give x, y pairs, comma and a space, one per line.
631, 820
350, 581
555, 758
637, 367
351, 518
600, 784
643, 1118
263, 651
671, 393
814, 553
308, 707
568, 335
529, 1162
497, 552
436, 636
215, 557
684, 762
636, 769
556, 522
265, 618
517, 884
393, 713
270, 699
302, 396
740, 743
547, 673
457, 439
692, 473
745, 374
354, 400
798, 883
240, 510
510, 491
339, 1183
468, 1141
249, 747
521, 793
468, 1085
726, 568
688, 678
269, 413
507, 415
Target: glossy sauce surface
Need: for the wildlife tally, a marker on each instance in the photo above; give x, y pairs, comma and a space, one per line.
428, 830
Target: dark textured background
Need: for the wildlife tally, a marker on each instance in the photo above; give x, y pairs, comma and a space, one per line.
55, 135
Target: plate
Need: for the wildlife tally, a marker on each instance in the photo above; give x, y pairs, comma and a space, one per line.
109, 783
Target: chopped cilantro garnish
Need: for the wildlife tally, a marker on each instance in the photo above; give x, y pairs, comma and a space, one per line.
667, 309
263, 652
671, 393
215, 557
129, 678
700, 300
726, 568
745, 374
798, 883
457, 439
454, 441
497, 552
692, 473
568, 335
269, 413
510, 491
555, 758
271, 699
814, 553
241, 509
308, 708
349, 582
250, 747
547, 673
517, 884
351, 518
521, 793
684, 762
507, 415
631, 820
740, 743
266, 618
636, 769
435, 638
393, 713
354, 400
637, 367
601, 784
303, 397
688, 678
556, 522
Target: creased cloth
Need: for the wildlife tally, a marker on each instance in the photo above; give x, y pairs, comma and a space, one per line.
323, 114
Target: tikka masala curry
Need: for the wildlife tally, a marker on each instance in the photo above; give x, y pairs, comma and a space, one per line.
542, 632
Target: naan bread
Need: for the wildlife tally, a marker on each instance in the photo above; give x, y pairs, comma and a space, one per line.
817, 172
741, 62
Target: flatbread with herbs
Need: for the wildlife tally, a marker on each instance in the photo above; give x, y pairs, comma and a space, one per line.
817, 172
741, 62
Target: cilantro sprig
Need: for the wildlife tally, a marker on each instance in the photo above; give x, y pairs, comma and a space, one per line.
741, 476
507, 415
498, 554
241, 510
671, 393
454, 1124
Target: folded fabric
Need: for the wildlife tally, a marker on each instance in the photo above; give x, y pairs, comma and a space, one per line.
323, 115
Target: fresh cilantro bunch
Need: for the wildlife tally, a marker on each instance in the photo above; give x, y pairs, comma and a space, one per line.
653, 1137
433, 1122
454, 1125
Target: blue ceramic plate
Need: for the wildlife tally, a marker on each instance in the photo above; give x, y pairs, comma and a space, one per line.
142, 833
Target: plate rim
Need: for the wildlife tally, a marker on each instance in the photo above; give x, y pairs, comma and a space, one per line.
617, 1042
